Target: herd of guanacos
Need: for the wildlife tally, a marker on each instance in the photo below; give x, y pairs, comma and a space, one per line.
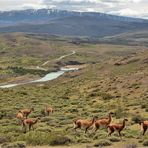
23, 114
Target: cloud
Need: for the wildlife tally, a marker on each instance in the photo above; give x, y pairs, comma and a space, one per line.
126, 12
133, 8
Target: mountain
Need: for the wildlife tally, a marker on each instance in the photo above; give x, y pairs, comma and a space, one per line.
68, 23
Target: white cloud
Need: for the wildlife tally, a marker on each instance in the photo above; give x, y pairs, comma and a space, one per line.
126, 12
135, 8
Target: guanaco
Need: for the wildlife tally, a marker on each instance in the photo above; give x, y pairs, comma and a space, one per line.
19, 115
116, 127
30, 122
48, 110
84, 123
103, 121
144, 126
26, 112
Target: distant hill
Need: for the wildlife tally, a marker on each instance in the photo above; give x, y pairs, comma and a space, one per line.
139, 38
66, 23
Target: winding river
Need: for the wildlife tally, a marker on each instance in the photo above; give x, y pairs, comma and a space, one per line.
47, 77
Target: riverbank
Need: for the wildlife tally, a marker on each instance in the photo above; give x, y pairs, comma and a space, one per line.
47, 77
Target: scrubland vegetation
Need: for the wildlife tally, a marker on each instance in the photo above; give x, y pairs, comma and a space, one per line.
116, 79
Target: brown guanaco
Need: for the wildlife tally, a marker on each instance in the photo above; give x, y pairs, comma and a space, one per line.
26, 112
84, 123
144, 126
20, 117
103, 121
116, 127
48, 110
30, 122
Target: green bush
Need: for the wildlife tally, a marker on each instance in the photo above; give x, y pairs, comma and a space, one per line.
145, 143
136, 118
143, 106
4, 139
114, 139
106, 96
146, 110
120, 112
60, 140
35, 138
17, 144
102, 143
23, 71
45, 138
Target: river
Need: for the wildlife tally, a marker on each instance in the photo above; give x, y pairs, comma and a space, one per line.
47, 77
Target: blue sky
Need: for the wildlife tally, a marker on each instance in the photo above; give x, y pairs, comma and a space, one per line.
133, 8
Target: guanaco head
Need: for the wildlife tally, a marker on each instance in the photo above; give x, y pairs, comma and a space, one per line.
111, 113
140, 122
125, 119
38, 118
94, 119
32, 109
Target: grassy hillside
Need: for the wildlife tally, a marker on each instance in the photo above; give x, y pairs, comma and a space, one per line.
115, 80
133, 38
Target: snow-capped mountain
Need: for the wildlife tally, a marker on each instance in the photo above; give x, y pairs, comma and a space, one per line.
62, 22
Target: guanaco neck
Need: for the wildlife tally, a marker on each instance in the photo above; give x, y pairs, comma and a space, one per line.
123, 124
109, 118
31, 110
93, 121
35, 121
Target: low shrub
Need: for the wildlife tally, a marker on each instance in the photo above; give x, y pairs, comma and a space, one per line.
114, 139
4, 139
35, 138
136, 118
17, 144
60, 140
145, 143
45, 138
120, 112
102, 143
106, 96
143, 106
131, 133
146, 110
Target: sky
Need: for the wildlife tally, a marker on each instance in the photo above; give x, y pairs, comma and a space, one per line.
132, 8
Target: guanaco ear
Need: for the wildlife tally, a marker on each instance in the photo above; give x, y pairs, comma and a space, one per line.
111, 113
39, 118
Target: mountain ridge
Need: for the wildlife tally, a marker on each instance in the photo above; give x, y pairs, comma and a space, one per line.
54, 13
68, 23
